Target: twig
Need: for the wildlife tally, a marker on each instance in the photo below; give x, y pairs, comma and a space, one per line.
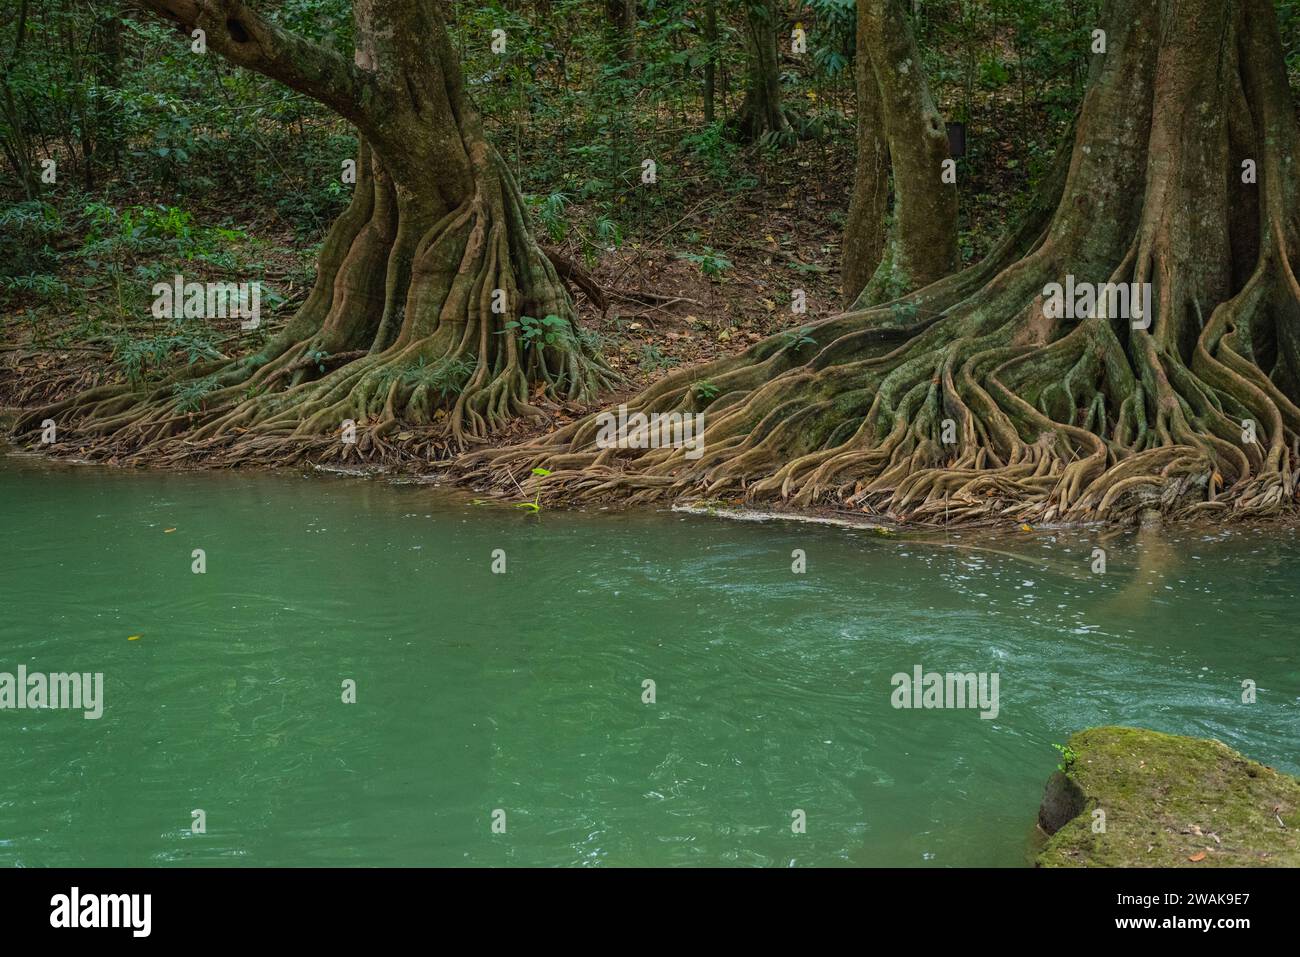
649, 298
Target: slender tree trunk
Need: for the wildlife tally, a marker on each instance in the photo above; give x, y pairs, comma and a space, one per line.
622, 17
760, 112
923, 244
15, 141
711, 63
865, 229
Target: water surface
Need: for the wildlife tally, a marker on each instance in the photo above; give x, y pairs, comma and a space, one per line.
523, 691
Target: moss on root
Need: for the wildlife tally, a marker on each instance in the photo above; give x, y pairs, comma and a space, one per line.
1169, 801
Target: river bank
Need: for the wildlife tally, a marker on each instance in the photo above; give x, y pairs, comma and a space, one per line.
421, 454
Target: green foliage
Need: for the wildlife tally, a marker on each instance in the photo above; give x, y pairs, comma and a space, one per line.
444, 376
710, 263
317, 358
26, 231
144, 358
165, 230
705, 390
41, 285
1068, 757
549, 331
796, 339
652, 359
190, 395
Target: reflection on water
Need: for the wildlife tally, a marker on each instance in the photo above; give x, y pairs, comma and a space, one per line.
523, 691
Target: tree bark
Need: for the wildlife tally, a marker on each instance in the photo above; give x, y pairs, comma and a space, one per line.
865, 230
923, 245
760, 111
711, 63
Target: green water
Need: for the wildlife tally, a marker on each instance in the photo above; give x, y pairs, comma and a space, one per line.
523, 691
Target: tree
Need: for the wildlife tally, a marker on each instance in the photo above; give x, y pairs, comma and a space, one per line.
975, 397
865, 228
711, 60
760, 111
432, 300
895, 106
14, 140
622, 18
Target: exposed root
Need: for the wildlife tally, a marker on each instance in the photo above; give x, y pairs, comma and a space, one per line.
409, 327
967, 401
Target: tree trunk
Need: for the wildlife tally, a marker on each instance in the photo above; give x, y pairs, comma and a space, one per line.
923, 245
865, 229
13, 135
711, 63
431, 293
975, 398
622, 17
760, 112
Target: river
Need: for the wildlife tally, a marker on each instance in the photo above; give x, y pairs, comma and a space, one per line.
519, 698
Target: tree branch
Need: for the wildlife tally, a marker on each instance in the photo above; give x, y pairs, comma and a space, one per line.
244, 38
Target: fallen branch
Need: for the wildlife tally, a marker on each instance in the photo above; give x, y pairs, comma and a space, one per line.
632, 295
571, 272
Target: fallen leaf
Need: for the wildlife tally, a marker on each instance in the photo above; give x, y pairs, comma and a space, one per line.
1025, 528
1198, 856
133, 637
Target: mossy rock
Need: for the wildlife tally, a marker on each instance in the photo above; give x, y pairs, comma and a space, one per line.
1169, 801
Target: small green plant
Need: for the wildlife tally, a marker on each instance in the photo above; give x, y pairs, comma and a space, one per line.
445, 376
141, 358
705, 390
711, 264
41, 285
317, 358
535, 505
550, 213
1068, 757
652, 359
191, 395
540, 332
796, 339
